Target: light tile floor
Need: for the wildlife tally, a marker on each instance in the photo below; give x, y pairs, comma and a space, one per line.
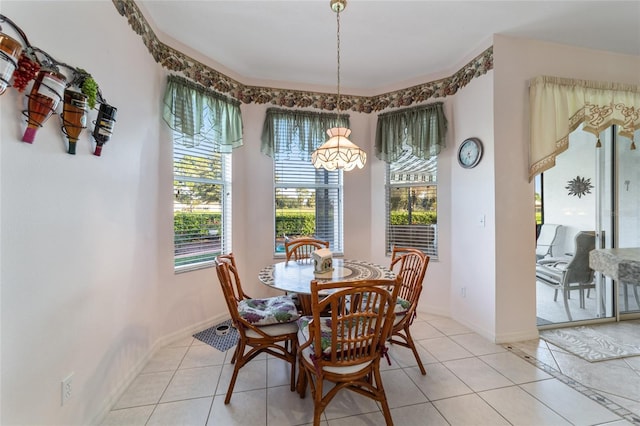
469, 381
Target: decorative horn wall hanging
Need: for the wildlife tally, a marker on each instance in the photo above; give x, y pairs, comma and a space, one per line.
54, 82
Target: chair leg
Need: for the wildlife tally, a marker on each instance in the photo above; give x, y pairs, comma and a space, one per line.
383, 397
302, 380
294, 349
625, 292
565, 294
232, 383
412, 345
235, 353
318, 403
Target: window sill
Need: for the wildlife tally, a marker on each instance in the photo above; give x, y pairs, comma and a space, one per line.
193, 267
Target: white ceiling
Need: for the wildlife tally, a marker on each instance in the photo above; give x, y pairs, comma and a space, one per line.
383, 43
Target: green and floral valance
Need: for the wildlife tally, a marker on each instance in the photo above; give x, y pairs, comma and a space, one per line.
421, 128
294, 130
560, 105
196, 114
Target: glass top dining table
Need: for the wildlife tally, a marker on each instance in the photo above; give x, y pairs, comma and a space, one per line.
295, 276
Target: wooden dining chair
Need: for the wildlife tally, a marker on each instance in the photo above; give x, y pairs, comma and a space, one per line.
301, 248
411, 265
264, 325
237, 287
345, 347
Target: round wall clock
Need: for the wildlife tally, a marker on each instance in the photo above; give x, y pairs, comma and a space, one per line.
470, 153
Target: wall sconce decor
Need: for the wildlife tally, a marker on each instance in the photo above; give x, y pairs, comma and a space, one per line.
75, 87
579, 186
74, 116
104, 126
46, 93
9, 52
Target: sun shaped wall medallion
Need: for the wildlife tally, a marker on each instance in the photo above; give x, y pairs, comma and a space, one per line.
579, 186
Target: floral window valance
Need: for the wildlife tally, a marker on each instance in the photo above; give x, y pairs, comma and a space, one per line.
560, 105
422, 128
198, 114
287, 131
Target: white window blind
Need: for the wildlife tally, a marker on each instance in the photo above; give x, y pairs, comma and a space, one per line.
308, 201
412, 203
202, 204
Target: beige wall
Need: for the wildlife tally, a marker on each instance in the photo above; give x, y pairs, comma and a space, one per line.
86, 270
516, 61
472, 286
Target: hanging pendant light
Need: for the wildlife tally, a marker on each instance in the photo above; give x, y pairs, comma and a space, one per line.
338, 152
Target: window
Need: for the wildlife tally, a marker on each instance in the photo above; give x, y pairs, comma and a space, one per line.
206, 126
202, 204
307, 201
412, 197
409, 141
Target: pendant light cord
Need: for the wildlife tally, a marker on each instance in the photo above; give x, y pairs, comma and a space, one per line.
338, 41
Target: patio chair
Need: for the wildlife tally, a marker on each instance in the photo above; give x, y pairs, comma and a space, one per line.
345, 348
625, 293
264, 325
301, 248
411, 264
570, 273
546, 240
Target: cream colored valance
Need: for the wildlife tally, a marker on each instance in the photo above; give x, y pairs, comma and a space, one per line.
560, 105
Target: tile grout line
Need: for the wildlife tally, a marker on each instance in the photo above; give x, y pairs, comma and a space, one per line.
577, 386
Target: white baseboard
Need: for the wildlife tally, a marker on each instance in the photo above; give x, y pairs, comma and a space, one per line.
160, 343
487, 334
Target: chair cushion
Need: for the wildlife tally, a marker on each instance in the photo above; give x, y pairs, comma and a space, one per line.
308, 353
271, 310
402, 306
273, 330
325, 332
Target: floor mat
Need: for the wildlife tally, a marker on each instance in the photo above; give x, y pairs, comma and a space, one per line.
222, 343
598, 342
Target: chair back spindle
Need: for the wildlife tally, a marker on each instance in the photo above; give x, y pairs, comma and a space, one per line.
300, 249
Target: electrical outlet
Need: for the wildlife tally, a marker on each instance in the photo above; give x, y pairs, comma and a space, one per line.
463, 292
66, 388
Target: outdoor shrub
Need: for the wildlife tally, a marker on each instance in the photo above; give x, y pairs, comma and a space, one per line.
417, 218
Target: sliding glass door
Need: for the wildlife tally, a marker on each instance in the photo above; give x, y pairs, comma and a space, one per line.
592, 191
627, 215
595, 191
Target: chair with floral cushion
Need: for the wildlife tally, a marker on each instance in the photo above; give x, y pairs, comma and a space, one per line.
345, 347
264, 325
411, 264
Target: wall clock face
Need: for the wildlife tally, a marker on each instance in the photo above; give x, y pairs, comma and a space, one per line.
470, 153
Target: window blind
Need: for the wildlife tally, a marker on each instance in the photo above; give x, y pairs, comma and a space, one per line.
307, 201
202, 204
411, 207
